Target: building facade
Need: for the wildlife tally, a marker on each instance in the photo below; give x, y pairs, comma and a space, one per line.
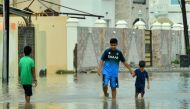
104, 8
128, 10
167, 11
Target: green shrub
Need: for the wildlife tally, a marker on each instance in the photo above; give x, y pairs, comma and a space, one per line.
175, 62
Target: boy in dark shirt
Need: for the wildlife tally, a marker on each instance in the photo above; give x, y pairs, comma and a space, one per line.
141, 74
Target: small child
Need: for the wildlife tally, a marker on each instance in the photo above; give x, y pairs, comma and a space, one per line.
141, 74
27, 73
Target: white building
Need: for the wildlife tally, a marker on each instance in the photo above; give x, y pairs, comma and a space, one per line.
104, 8
167, 11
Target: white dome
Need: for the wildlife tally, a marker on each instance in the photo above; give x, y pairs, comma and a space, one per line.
74, 20
156, 25
177, 26
166, 26
140, 23
100, 23
121, 24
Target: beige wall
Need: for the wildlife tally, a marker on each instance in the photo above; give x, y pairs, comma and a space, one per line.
56, 45
50, 42
36, 6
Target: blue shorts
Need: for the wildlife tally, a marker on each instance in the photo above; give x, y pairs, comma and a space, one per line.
113, 81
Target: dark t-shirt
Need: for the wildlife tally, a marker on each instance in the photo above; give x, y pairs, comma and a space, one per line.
111, 61
140, 78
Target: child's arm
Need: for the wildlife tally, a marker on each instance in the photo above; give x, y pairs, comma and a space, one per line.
34, 76
100, 67
148, 84
19, 74
129, 68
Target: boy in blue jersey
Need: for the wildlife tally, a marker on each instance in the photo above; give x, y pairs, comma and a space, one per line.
109, 67
141, 74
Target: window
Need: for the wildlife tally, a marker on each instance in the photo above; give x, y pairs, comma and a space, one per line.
174, 2
139, 1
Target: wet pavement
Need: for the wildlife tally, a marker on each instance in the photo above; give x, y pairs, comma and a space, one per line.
167, 91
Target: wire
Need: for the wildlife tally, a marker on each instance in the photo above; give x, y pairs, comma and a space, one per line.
30, 4
21, 2
65, 7
45, 6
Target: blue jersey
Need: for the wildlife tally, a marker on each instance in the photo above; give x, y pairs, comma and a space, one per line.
140, 78
111, 60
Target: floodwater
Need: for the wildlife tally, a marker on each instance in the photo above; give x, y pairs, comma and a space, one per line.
167, 91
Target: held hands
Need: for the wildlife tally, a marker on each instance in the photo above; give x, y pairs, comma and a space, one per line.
132, 74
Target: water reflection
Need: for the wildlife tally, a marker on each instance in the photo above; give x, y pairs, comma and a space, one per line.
184, 104
113, 105
26, 106
6, 106
184, 82
140, 103
168, 91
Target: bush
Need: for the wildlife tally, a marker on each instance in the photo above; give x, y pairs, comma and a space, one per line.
175, 62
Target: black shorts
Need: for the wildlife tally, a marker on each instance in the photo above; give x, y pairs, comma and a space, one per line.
28, 90
139, 90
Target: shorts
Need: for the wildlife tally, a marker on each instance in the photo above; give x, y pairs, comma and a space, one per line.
139, 90
27, 90
113, 81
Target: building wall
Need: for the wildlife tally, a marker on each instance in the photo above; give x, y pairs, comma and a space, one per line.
50, 43
127, 10
165, 8
99, 7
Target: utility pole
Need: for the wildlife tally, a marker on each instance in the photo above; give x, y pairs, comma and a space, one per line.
186, 35
5, 72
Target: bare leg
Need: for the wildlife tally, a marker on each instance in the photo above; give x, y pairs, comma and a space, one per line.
27, 98
136, 95
142, 95
114, 93
105, 89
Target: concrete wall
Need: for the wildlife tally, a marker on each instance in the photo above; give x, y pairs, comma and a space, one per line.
50, 40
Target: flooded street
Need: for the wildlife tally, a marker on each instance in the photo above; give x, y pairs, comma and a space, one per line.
167, 91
